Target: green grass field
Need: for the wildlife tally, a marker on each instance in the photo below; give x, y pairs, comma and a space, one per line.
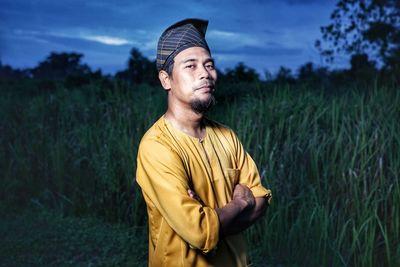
331, 158
42, 238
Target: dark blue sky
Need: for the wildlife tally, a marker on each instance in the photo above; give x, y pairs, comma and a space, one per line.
264, 34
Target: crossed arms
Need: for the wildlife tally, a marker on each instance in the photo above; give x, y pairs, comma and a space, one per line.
240, 213
163, 180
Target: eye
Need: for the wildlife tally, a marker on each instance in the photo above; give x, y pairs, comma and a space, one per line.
210, 66
191, 66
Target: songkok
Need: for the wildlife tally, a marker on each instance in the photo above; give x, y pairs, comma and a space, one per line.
178, 37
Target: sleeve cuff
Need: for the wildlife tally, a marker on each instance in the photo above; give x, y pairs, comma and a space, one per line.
260, 191
213, 237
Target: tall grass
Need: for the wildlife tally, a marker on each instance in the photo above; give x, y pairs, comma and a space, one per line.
332, 161
75, 150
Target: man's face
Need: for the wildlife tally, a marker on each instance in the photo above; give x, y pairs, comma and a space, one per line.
193, 79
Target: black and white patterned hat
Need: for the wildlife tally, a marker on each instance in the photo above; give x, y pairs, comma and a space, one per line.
178, 37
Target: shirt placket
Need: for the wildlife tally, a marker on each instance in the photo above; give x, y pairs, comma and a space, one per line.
208, 156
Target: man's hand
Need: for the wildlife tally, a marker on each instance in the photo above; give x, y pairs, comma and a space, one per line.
243, 197
240, 213
194, 195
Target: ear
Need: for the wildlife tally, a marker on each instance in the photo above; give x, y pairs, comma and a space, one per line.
164, 79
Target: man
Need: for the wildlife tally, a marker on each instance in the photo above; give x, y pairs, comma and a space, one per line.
201, 188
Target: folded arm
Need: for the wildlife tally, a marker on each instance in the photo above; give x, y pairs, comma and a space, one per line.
240, 213
164, 184
244, 219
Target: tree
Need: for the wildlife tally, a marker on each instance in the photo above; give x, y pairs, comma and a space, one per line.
241, 73
60, 66
361, 62
284, 75
310, 72
364, 27
306, 71
7, 72
140, 69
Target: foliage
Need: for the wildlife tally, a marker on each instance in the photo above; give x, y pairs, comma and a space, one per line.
308, 72
331, 162
60, 65
330, 157
140, 69
40, 238
73, 138
284, 75
240, 73
66, 68
8, 73
364, 27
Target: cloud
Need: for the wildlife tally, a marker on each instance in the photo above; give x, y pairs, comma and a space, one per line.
107, 40
223, 34
261, 33
102, 39
231, 38
304, 2
237, 43
258, 50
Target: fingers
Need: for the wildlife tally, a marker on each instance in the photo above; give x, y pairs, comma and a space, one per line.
191, 193
194, 195
242, 192
242, 187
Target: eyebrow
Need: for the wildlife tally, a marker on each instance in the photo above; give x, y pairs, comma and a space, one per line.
195, 60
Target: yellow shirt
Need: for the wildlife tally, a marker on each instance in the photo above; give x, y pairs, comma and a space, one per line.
182, 232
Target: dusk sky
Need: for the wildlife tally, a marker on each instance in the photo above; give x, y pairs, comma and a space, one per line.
264, 34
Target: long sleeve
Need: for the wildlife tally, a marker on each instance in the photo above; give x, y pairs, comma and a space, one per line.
249, 174
163, 179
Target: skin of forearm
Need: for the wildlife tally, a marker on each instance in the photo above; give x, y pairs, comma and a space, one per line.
240, 213
227, 215
235, 218
248, 217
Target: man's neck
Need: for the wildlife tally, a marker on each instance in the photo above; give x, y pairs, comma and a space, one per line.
188, 121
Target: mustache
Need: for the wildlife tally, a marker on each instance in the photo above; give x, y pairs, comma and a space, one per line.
204, 84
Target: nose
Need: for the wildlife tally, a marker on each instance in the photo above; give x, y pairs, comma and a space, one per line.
203, 72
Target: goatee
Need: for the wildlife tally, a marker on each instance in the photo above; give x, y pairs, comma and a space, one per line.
202, 106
